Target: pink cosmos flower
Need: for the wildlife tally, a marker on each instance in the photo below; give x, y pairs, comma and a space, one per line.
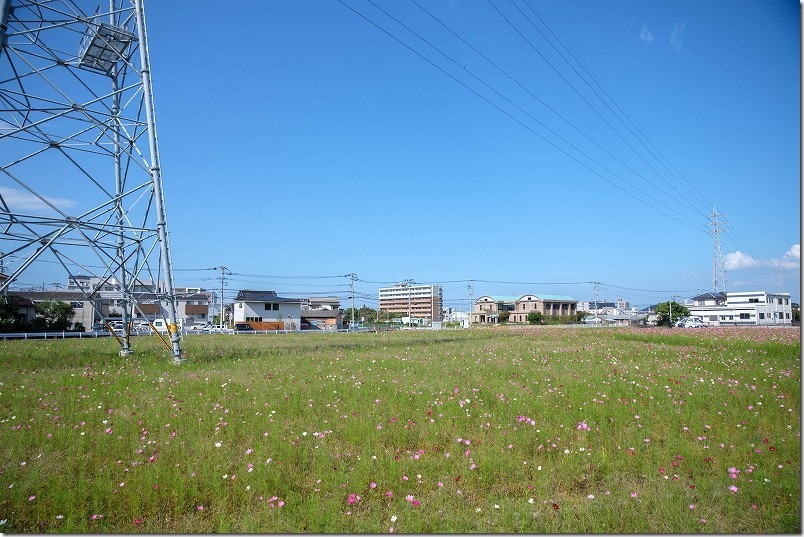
733, 489
373, 485
634, 494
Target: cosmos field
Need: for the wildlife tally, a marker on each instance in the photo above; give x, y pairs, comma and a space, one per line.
545, 429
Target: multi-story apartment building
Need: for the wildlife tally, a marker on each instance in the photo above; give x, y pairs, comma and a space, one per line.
192, 303
418, 301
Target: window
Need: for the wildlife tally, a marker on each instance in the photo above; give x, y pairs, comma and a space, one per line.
753, 300
761, 315
713, 317
745, 316
272, 307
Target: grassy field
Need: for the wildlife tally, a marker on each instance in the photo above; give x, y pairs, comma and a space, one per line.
500, 430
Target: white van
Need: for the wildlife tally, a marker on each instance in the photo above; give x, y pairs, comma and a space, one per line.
162, 324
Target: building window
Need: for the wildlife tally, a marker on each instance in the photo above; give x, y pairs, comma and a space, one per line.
745, 316
753, 300
761, 315
272, 307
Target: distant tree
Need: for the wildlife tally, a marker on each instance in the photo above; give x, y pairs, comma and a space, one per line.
9, 319
504, 316
535, 317
580, 316
56, 315
367, 314
665, 309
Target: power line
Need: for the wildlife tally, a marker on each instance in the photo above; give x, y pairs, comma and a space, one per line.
509, 115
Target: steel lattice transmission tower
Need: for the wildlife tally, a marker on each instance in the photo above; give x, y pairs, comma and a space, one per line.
80, 179
718, 268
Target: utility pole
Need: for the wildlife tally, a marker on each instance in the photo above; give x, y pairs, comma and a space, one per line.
222, 317
469, 306
352, 278
671, 311
408, 283
595, 288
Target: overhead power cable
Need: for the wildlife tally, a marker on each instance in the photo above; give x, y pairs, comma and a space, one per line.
705, 204
520, 122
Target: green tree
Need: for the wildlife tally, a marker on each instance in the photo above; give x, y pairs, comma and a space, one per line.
665, 309
9, 319
55, 315
504, 315
535, 317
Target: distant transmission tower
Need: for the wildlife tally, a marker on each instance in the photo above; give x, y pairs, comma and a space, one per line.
80, 179
718, 269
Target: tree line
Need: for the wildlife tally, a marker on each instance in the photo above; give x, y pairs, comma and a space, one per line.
51, 316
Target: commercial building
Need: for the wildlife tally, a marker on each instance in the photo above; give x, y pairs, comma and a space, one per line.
421, 302
746, 308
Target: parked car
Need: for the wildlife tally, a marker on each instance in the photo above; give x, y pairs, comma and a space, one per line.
694, 323
243, 327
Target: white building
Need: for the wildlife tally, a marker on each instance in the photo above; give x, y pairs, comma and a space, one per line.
274, 312
745, 308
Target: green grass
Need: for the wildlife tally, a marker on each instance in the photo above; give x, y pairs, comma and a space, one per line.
502, 430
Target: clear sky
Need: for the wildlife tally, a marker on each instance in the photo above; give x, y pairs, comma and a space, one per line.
526, 146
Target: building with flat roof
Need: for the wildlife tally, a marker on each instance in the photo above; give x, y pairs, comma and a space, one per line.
418, 301
758, 308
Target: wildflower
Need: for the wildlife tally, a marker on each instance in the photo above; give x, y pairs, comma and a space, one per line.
703, 521
530, 500
634, 494
108, 430
394, 518
138, 522
692, 506
555, 507
389, 494
733, 489
591, 496
31, 498
217, 444
353, 498
373, 485
200, 507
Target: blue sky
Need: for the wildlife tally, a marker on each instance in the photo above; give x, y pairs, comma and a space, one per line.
299, 140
